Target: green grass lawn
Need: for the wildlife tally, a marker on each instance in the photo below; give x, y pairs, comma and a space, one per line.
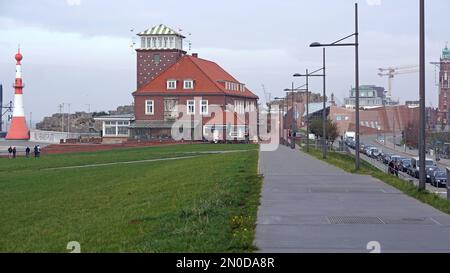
202, 204
347, 163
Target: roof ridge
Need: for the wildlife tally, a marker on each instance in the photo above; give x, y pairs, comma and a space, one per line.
206, 74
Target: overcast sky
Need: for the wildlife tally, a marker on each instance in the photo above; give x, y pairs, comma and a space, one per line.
77, 51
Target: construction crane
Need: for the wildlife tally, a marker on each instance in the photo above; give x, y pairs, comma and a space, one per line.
267, 95
391, 72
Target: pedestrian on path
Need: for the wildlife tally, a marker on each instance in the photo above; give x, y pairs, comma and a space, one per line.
36, 151
391, 167
14, 151
27, 152
9, 152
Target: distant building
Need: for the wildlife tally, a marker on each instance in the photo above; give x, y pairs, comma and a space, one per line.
412, 103
370, 96
444, 87
174, 88
376, 120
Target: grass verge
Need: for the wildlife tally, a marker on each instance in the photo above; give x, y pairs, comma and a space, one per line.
202, 204
347, 163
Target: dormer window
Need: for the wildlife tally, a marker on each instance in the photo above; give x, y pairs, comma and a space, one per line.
171, 84
188, 84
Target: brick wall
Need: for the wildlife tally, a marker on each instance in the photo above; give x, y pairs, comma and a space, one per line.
148, 69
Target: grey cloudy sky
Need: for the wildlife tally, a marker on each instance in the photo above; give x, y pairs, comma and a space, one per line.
77, 51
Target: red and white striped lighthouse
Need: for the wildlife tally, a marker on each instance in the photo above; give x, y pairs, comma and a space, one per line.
18, 129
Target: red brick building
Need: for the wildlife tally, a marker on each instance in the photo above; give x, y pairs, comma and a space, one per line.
378, 120
444, 87
176, 88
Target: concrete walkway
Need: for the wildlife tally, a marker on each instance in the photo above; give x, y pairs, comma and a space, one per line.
310, 206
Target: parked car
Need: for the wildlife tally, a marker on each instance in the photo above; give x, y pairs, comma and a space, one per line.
396, 158
350, 143
439, 179
362, 147
414, 169
373, 152
367, 150
404, 165
387, 158
430, 172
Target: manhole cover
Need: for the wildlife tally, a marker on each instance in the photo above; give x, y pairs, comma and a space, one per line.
354, 220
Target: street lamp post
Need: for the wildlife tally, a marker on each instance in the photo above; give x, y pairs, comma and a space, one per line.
292, 126
307, 75
293, 122
324, 112
356, 45
293, 133
422, 173
280, 121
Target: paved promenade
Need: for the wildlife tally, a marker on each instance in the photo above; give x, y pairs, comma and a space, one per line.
310, 206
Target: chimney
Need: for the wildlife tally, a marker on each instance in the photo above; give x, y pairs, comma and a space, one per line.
195, 55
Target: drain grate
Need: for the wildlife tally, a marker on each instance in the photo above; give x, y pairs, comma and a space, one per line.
354, 220
369, 220
346, 190
408, 221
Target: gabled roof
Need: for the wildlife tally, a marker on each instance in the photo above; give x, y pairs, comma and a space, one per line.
208, 78
160, 30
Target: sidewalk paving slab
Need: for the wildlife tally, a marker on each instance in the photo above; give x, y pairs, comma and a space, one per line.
310, 206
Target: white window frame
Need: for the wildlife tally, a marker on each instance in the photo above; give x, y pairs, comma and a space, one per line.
147, 102
204, 103
169, 84
190, 103
185, 82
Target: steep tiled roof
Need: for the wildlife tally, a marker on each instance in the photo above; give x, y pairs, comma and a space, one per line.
208, 78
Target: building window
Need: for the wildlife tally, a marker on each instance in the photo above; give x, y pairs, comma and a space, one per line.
188, 84
239, 106
110, 128
204, 107
171, 42
116, 128
171, 84
159, 42
156, 58
149, 107
122, 128
165, 42
143, 42
154, 42
190, 107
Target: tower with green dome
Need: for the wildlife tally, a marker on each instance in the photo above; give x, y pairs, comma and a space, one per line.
444, 87
446, 53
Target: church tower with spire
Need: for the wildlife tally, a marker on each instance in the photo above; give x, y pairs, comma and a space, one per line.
160, 47
444, 87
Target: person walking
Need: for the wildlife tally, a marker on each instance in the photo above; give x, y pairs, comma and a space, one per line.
9, 152
35, 151
396, 168
27, 152
38, 151
14, 151
391, 167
